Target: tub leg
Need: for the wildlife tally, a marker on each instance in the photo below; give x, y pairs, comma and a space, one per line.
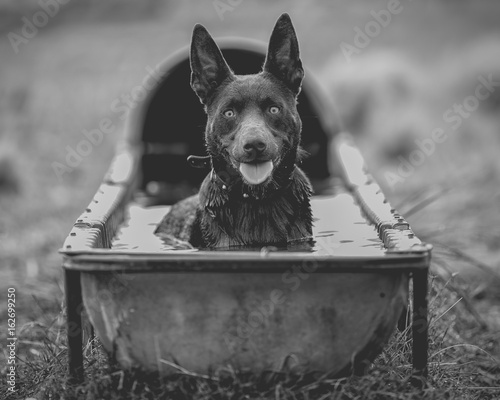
74, 325
419, 328
403, 323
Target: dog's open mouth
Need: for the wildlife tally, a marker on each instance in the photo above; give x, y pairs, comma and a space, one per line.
256, 173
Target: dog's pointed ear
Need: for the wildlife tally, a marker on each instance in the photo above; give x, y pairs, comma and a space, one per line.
208, 67
283, 60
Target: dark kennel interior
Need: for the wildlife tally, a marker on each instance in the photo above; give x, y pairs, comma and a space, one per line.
173, 122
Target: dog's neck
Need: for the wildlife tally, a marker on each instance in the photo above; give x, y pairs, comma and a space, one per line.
216, 193
235, 219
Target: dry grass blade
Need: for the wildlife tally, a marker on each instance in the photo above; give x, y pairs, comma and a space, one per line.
464, 256
482, 388
444, 269
443, 314
412, 198
419, 206
465, 345
184, 371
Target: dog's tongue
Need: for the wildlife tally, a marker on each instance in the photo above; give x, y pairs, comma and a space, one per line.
256, 173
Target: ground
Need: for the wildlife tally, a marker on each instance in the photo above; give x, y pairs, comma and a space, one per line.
72, 73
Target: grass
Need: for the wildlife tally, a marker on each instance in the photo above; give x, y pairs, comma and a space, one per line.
462, 365
65, 79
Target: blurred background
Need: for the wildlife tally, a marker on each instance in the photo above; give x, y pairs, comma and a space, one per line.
68, 74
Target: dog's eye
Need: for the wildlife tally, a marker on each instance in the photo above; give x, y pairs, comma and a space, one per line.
228, 113
274, 110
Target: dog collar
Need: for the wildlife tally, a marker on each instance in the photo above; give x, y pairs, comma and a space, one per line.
218, 181
200, 161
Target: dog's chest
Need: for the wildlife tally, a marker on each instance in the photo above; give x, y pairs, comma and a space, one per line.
257, 222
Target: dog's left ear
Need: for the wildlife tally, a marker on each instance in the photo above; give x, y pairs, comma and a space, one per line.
282, 58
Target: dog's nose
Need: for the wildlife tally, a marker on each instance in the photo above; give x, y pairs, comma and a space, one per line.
254, 145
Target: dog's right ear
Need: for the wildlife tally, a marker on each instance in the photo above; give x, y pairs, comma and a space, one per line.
283, 59
208, 67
